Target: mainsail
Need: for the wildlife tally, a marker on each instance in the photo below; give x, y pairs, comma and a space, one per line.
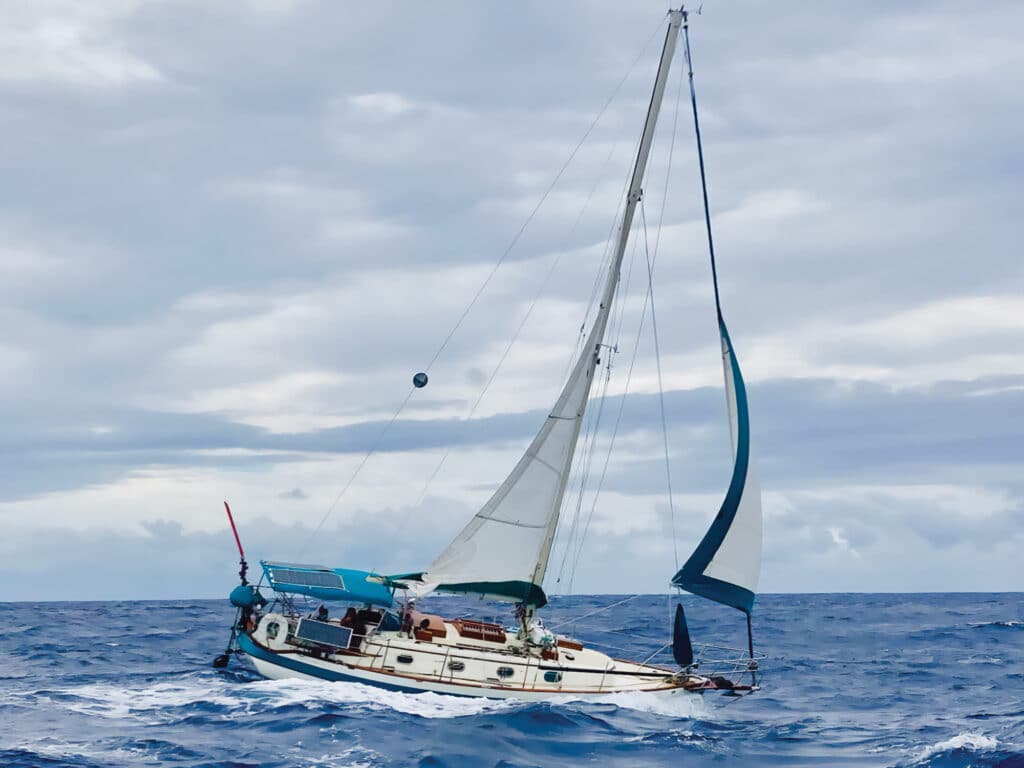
503, 551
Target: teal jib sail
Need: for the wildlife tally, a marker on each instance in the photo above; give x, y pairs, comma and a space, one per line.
727, 562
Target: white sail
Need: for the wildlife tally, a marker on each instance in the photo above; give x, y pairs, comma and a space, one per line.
738, 559
726, 565
504, 550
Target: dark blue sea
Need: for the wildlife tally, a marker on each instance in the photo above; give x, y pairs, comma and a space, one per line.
851, 680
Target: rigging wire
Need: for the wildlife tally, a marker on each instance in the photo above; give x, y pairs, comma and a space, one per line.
661, 388
602, 270
594, 612
590, 437
352, 478
540, 203
629, 374
458, 323
590, 443
519, 328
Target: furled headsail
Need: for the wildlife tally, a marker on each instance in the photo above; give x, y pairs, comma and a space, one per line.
727, 563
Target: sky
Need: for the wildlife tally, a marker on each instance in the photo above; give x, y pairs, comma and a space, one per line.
230, 233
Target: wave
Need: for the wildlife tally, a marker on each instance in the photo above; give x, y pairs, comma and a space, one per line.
963, 742
354, 757
162, 702
688, 706
999, 624
981, 659
311, 694
68, 754
55, 752
157, 703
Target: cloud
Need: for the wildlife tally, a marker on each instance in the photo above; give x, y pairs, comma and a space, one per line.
221, 268
69, 43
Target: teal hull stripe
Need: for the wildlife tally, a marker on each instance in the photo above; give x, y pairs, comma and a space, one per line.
691, 576
296, 665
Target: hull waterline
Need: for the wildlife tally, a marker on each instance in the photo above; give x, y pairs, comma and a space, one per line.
276, 665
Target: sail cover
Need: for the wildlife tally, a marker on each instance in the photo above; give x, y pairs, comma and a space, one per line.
727, 563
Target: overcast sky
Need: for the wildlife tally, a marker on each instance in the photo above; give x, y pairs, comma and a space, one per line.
231, 232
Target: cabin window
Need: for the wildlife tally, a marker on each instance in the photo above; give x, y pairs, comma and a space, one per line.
504, 672
456, 666
404, 658
272, 629
553, 676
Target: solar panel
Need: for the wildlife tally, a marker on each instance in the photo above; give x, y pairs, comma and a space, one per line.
327, 579
323, 633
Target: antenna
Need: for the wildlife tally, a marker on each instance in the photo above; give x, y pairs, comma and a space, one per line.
241, 554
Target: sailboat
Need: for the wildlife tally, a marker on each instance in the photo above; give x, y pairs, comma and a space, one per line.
382, 639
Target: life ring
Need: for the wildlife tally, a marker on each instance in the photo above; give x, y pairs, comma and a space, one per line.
272, 631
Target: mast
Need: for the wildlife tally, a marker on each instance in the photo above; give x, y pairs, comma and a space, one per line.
633, 195
504, 550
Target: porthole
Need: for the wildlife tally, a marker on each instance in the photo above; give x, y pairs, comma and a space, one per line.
272, 629
569, 656
404, 658
505, 672
456, 666
553, 676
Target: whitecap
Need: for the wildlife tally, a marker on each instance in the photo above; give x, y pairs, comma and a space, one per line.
312, 694
690, 706
156, 703
63, 750
981, 659
975, 742
153, 704
354, 757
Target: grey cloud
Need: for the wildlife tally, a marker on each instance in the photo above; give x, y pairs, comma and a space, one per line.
808, 433
861, 163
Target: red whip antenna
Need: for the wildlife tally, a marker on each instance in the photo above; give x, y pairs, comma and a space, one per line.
241, 553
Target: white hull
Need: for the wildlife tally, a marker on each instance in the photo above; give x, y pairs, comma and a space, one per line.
449, 665
273, 671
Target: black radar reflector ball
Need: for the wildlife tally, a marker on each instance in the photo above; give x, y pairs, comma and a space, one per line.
419, 380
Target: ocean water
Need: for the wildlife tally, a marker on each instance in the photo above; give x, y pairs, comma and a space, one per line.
851, 680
